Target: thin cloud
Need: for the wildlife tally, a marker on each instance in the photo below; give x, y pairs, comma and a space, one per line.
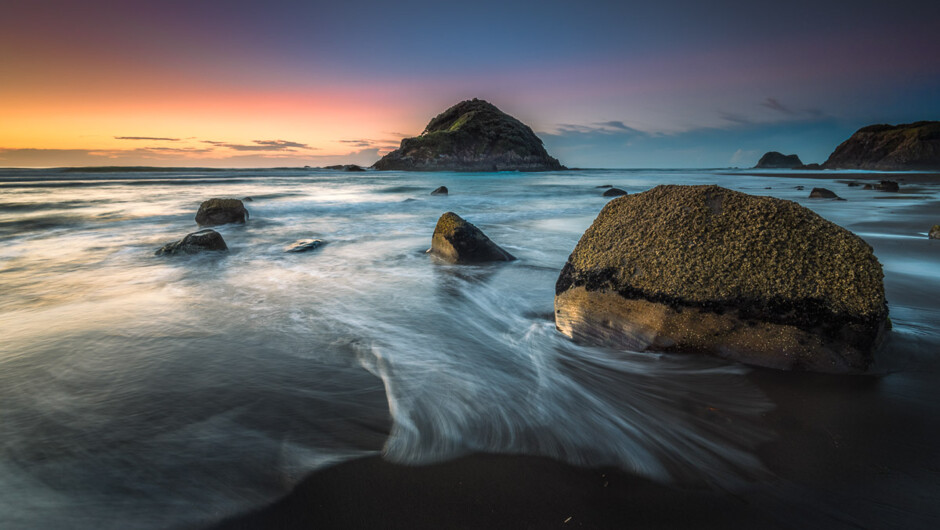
358, 143
773, 104
262, 145
735, 118
151, 138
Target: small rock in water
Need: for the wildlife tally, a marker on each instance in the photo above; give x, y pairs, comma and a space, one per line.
604, 186
822, 193
458, 241
247, 199
800, 188
614, 192
345, 167
934, 232
207, 239
854, 184
221, 211
409, 200
303, 245
440, 191
884, 185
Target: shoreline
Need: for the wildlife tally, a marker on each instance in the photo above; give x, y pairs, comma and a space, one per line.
931, 177
492, 491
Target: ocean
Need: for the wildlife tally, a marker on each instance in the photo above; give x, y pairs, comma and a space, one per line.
143, 391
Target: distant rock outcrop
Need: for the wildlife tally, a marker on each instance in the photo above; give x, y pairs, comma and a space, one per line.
703, 269
910, 146
207, 239
345, 167
884, 185
221, 211
822, 193
471, 136
775, 160
458, 241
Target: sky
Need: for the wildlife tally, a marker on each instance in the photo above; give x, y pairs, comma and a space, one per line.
671, 83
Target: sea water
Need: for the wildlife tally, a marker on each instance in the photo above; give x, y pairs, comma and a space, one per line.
155, 392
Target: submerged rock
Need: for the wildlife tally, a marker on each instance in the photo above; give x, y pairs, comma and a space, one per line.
472, 135
604, 186
909, 146
614, 192
934, 232
775, 160
345, 167
303, 245
708, 270
458, 241
207, 239
221, 211
440, 191
822, 193
884, 185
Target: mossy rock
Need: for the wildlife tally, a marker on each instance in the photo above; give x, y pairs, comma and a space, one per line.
709, 270
458, 241
215, 212
202, 240
472, 135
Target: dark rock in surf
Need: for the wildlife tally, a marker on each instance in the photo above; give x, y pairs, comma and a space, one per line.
247, 199
854, 184
614, 192
345, 167
458, 241
775, 160
703, 269
471, 136
604, 186
934, 232
440, 191
207, 239
221, 211
910, 146
884, 185
304, 245
822, 193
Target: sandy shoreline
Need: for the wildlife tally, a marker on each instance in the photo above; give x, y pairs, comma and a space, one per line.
492, 491
842, 457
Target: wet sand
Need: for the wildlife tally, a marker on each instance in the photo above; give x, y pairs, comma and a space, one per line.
844, 457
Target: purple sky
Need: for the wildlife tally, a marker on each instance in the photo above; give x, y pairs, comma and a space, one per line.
605, 84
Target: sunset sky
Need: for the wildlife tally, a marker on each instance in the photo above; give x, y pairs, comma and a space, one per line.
604, 84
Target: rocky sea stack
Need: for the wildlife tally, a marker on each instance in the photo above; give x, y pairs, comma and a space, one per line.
912, 146
221, 211
775, 160
458, 241
471, 136
705, 269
